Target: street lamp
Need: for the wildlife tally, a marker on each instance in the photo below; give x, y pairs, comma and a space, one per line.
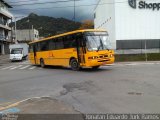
28, 21
74, 11
15, 25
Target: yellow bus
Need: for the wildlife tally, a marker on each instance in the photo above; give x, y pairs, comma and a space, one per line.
77, 49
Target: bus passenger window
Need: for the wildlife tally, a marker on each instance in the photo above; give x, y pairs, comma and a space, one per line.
69, 42
44, 46
38, 47
31, 48
59, 43
52, 45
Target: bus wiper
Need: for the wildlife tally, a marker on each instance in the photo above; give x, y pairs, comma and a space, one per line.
101, 44
99, 47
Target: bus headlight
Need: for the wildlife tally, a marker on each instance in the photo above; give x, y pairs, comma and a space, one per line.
111, 55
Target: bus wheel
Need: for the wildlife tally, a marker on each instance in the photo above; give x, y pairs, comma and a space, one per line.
42, 63
95, 67
74, 65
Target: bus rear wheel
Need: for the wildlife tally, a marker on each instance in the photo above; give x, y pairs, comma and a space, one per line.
74, 65
42, 63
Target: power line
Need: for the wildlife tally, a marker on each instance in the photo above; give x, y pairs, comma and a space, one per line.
67, 6
24, 1
51, 2
37, 3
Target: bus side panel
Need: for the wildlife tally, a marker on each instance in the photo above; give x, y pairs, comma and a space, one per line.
56, 57
62, 57
31, 58
45, 56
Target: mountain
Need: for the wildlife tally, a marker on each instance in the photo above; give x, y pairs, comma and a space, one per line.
47, 26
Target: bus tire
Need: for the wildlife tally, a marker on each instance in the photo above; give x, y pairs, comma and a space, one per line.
42, 63
74, 65
95, 67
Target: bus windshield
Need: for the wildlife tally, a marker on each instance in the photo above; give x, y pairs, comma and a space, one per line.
98, 42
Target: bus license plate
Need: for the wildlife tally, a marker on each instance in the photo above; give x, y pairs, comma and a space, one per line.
104, 63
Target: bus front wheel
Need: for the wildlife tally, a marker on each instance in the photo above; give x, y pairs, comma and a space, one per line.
74, 65
42, 63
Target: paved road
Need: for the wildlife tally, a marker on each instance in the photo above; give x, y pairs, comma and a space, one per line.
120, 88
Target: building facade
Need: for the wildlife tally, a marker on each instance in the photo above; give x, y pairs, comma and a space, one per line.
5, 30
27, 35
131, 24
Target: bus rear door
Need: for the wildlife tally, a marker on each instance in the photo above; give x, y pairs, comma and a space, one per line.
35, 53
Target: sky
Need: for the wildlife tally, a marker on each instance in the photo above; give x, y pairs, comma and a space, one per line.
54, 8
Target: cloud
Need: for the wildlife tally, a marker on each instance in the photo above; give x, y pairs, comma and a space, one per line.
61, 9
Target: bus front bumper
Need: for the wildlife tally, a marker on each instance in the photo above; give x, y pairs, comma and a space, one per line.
92, 63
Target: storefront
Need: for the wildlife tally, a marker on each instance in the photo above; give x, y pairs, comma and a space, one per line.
132, 24
4, 47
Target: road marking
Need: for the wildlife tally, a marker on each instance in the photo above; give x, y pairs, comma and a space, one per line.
12, 105
32, 68
23, 62
17, 103
130, 64
24, 67
15, 67
7, 67
20, 67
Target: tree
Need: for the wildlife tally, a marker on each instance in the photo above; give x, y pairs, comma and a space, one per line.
87, 24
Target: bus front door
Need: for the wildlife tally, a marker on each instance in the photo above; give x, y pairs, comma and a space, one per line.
81, 51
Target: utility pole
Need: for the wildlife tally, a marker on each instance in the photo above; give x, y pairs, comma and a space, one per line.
74, 11
12, 29
15, 30
29, 29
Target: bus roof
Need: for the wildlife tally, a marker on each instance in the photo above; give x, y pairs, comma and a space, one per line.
68, 33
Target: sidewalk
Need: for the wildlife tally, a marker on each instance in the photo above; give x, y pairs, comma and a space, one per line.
136, 63
139, 62
4, 59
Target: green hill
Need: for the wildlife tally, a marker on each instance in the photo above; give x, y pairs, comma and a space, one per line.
47, 26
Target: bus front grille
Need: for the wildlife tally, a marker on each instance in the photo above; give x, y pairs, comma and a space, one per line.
103, 60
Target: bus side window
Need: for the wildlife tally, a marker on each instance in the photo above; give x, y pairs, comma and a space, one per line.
70, 41
44, 46
52, 45
31, 48
59, 43
38, 47
73, 41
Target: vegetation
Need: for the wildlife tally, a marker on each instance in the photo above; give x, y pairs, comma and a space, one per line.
87, 24
47, 26
138, 57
